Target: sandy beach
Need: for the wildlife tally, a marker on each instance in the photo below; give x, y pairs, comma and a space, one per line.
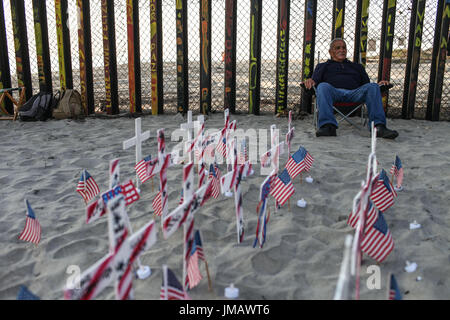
42, 162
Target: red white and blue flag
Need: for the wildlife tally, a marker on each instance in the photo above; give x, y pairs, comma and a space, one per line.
383, 193
397, 171
213, 175
87, 187
142, 168
282, 188
394, 291
171, 288
377, 241
199, 245
157, 204
26, 294
193, 270
300, 161
32, 230
130, 192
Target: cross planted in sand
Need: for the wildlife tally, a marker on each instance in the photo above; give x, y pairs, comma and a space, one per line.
137, 141
233, 180
117, 266
184, 214
100, 207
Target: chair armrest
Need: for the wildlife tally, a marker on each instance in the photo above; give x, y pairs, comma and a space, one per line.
386, 87
311, 91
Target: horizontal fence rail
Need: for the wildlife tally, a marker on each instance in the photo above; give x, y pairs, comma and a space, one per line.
168, 56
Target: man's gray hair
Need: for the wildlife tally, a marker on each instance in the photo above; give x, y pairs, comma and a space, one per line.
335, 40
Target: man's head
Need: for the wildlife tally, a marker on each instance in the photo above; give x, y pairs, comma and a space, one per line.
338, 50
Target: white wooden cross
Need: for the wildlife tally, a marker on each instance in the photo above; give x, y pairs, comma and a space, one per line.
273, 155
233, 180
184, 213
117, 266
187, 127
137, 141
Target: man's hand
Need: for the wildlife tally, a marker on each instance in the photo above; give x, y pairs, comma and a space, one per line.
309, 83
383, 83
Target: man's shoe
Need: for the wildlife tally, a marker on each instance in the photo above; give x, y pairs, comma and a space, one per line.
327, 130
383, 132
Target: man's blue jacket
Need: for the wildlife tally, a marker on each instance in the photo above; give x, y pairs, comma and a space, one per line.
343, 75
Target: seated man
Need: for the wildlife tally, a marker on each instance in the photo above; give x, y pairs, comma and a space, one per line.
340, 80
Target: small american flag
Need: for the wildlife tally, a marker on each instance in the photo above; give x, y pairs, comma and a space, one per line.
199, 245
87, 187
215, 181
157, 204
394, 291
371, 217
243, 153
142, 167
222, 147
171, 288
378, 242
193, 270
130, 192
299, 161
397, 171
383, 193
32, 230
26, 294
282, 187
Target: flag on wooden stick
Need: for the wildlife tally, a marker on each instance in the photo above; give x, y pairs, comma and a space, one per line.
300, 161
87, 187
394, 291
383, 193
397, 171
32, 230
282, 188
171, 288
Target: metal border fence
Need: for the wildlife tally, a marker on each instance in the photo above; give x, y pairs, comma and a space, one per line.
168, 56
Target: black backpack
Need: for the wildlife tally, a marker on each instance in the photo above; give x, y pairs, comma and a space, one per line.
39, 107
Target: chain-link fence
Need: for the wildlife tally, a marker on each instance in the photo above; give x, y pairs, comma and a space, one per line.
268, 53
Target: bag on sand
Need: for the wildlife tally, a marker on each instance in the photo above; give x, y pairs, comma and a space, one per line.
38, 107
69, 106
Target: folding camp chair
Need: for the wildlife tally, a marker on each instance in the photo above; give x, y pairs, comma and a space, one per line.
344, 109
7, 93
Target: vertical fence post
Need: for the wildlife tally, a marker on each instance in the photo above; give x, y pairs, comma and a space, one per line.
361, 30
5, 73
282, 56
205, 56
63, 35
338, 19
134, 65
230, 55
440, 49
182, 57
109, 53
156, 57
255, 56
21, 46
412, 64
309, 40
42, 47
85, 56
386, 44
